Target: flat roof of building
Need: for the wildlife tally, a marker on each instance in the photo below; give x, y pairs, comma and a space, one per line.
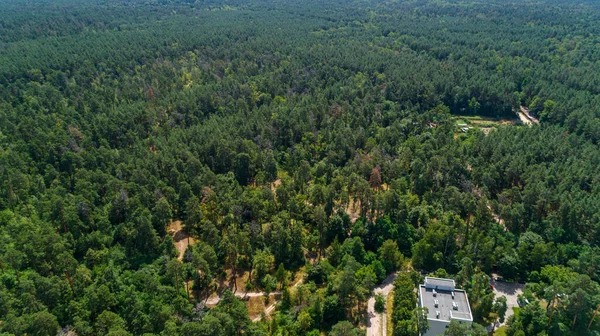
445, 304
439, 282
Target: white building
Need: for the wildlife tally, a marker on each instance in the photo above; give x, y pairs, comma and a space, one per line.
444, 303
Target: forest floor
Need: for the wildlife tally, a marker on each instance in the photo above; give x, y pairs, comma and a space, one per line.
255, 301
353, 210
497, 218
377, 323
297, 281
180, 237
485, 124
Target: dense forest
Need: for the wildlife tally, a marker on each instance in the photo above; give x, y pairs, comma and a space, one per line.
160, 157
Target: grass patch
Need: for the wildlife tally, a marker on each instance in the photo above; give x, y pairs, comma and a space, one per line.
500, 331
480, 121
255, 306
389, 307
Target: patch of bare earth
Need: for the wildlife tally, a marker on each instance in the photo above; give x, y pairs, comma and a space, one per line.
353, 210
486, 130
255, 306
180, 237
526, 117
275, 184
525, 111
237, 284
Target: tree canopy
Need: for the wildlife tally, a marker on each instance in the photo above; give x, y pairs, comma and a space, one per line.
157, 156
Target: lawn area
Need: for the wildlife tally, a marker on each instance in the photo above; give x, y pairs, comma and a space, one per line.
255, 306
500, 331
389, 307
479, 121
517, 311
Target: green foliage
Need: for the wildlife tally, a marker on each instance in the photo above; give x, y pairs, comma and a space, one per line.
344, 328
333, 311
405, 301
379, 303
288, 133
390, 255
262, 264
465, 329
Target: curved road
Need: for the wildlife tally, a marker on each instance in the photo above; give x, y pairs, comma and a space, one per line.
377, 323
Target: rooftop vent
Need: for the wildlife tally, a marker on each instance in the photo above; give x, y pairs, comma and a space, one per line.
436, 303
437, 314
434, 293
454, 305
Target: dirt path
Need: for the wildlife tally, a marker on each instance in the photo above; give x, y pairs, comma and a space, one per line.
180, 237
353, 210
526, 118
377, 323
497, 218
214, 300
272, 306
267, 311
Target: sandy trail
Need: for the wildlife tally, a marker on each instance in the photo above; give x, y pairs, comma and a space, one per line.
527, 118
214, 300
272, 306
180, 237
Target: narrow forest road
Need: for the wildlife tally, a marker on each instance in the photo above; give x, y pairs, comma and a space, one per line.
180, 237
214, 300
525, 117
377, 323
270, 308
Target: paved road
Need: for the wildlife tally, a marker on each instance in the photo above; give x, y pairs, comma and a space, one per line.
377, 323
511, 290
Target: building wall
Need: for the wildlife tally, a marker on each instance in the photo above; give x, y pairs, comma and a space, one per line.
436, 327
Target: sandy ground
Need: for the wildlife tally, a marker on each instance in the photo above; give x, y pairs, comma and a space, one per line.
527, 118
497, 218
353, 210
180, 237
377, 323
214, 300
272, 306
524, 118
276, 296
